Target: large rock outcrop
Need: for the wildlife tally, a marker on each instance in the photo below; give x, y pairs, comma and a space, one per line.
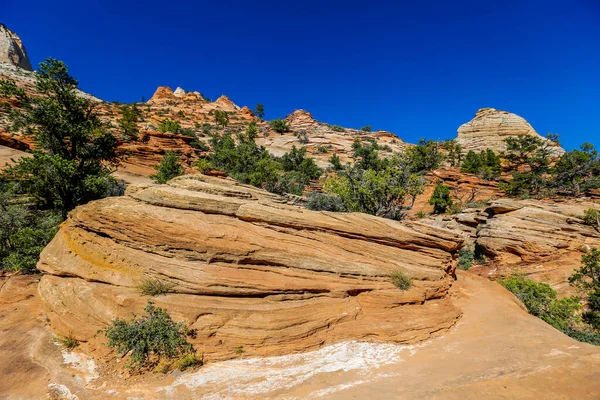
12, 50
490, 127
542, 239
249, 269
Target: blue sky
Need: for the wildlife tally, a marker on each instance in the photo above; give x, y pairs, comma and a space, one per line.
416, 68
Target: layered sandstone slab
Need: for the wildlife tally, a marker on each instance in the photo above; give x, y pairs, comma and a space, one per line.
541, 239
248, 269
490, 127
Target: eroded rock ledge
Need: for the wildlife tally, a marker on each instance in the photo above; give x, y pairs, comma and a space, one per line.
249, 269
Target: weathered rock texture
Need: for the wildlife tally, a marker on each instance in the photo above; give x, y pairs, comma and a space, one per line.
12, 49
323, 140
491, 127
249, 270
541, 239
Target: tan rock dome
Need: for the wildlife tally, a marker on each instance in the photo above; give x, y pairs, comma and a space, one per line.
491, 127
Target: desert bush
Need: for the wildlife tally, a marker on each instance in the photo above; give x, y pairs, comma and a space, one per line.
540, 300
466, 257
577, 171
424, 157
324, 202
154, 287
128, 122
591, 217
302, 137
259, 111
335, 162
337, 128
587, 280
486, 164
322, 149
401, 280
203, 165
279, 125
68, 342
366, 128
168, 168
149, 339
221, 118
169, 126
189, 360
440, 199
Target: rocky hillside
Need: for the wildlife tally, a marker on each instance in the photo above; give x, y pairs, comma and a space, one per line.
248, 269
12, 50
490, 127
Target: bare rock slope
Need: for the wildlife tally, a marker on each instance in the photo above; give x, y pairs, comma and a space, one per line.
12, 49
248, 269
490, 127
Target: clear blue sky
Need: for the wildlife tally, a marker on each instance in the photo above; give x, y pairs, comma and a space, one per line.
417, 68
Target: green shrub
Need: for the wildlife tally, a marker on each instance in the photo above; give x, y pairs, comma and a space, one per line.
440, 199
421, 215
203, 165
168, 168
239, 350
189, 360
169, 126
155, 287
466, 257
259, 111
74, 154
128, 122
424, 157
540, 300
587, 280
245, 160
592, 217
150, 338
221, 118
337, 128
486, 164
302, 137
24, 231
68, 342
324, 202
335, 162
366, 128
321, 149
401, 280
279, 125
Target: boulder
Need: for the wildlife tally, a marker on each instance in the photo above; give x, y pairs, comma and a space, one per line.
248, 269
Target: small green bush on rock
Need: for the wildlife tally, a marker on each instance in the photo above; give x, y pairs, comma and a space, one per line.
155, 287
150, 338
401, 280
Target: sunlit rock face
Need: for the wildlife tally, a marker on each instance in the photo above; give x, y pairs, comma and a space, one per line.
490, 128
12, 50
248, 268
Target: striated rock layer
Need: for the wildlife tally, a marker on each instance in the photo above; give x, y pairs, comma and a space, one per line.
489, 129
248, 269
12, 50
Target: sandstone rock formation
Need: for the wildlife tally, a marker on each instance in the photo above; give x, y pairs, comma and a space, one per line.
490, 127
249, 270
323, 140
541, 239
12, 49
